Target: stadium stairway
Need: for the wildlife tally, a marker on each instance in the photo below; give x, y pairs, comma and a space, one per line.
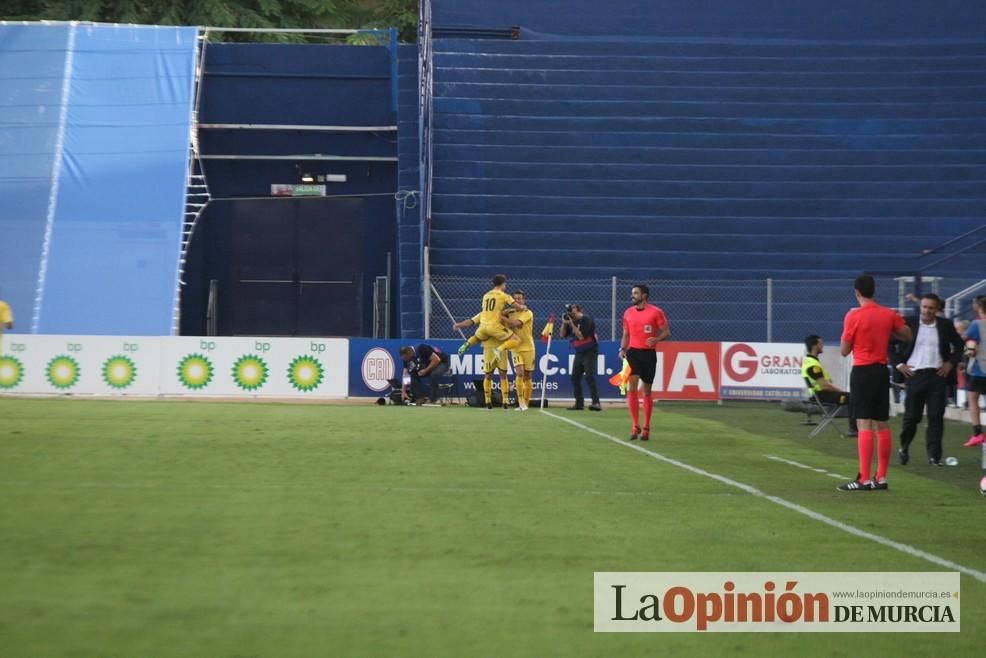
659, 160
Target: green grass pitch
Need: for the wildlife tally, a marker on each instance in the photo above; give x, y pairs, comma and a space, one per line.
150, 529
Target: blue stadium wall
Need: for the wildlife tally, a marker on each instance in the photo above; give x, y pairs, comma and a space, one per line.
94, 139
294, 266
729, 19
731, 140
95, 127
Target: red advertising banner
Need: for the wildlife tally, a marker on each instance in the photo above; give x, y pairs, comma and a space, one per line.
687, 371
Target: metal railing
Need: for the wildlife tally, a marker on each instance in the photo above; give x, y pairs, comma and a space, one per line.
960, 303
760, 310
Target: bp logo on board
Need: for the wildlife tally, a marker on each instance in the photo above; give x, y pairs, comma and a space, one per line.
119, 372
63, 372
250, 372
305, 373
11, 372
195, 371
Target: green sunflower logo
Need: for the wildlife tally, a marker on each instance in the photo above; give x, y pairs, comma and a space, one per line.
195, 371
119, 372
62, 372
250, 372
11, 372
305, 373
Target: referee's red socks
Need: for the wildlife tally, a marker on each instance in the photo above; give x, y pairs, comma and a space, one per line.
884, 446
633, 402
865, 454
648, 407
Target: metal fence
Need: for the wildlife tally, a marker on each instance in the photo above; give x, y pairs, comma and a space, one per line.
761, 310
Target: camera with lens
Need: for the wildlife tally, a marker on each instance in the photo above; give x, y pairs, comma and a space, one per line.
567, 315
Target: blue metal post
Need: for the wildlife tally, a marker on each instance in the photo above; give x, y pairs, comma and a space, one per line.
393, 68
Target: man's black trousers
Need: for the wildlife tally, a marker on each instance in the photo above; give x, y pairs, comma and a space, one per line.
924, 388
585, 364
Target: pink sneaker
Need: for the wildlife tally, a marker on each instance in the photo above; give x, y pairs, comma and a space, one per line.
975, 440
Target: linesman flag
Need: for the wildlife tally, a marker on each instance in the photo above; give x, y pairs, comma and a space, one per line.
620, 378
548, 329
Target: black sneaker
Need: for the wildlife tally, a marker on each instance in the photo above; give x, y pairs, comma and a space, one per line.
595, 406
575, 408
935, 462
880, 485
855, 485
489, 407
634, 433
903, 456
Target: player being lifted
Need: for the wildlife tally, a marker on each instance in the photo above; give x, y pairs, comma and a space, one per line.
491, 327
522, 323
494, 335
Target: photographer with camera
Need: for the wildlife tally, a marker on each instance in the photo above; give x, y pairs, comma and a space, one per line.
580, 329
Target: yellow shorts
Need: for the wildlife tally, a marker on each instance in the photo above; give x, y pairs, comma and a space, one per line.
496, 332
524, 358
489, 358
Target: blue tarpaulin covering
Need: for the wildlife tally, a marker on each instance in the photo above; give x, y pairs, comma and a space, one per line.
95, 123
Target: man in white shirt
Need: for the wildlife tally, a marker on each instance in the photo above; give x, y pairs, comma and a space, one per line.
928, 365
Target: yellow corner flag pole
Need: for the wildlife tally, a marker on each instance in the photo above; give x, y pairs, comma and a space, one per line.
546, 337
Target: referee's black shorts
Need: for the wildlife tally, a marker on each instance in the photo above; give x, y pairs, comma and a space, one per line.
870, 389
643, 364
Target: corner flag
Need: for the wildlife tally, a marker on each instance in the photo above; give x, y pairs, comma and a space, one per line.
546, 337
548, 329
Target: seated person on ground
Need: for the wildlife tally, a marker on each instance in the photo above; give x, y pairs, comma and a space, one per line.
425, 361
817, 379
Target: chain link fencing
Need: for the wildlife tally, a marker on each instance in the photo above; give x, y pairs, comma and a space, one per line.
759, 310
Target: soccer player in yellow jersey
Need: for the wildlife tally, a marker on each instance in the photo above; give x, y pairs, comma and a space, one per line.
522, 323
491, 326
494, 335
6, 320
491, 362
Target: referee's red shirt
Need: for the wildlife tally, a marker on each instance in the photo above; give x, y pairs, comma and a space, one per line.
868, 328
642, 324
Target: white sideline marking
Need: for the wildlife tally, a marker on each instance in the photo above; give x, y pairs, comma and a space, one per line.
806, 466
753, 491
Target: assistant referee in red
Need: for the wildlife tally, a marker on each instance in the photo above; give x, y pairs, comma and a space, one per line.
644, 326
866, 335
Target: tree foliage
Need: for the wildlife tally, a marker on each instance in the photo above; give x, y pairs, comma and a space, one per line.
402, 14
